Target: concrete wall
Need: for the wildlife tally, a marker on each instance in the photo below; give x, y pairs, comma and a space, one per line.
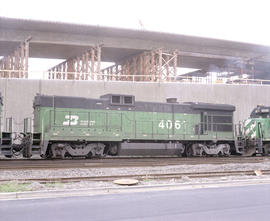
18, 94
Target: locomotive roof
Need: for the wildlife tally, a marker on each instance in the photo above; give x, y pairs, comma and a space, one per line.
210, 106
88, 103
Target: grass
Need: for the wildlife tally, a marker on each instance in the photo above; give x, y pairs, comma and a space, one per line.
21, 187
148, 180
14, 187
54, 185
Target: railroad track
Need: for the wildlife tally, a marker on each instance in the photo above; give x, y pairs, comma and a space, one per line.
141, 177
13, 164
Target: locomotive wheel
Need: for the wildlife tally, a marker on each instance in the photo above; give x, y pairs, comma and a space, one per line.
48, 154
189, 151
67, 155
249, 151
204, 154
89, 155
114, 149
266, 149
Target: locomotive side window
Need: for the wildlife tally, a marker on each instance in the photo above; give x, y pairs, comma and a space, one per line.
203, 122
222, 123
128, 100
222, 119
210, 123
116, 99
201, 126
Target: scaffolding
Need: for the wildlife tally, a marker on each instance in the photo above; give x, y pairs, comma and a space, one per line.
15, 65
155, 65
84, 67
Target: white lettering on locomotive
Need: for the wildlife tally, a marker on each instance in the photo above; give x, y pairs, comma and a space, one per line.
86, 123
168, 124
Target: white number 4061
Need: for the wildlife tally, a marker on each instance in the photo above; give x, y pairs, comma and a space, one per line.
169, 124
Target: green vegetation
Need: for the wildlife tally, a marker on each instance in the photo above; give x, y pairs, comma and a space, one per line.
20, 187
147, 179
54, 185
14, 187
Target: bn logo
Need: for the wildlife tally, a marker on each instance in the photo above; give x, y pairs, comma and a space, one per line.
71, 120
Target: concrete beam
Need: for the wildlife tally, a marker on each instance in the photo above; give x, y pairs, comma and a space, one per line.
62, 40
82, 40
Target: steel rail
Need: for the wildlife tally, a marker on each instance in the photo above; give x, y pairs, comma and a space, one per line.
141, 177
123, 162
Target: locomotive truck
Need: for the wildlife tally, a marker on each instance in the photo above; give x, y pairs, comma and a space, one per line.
117, 124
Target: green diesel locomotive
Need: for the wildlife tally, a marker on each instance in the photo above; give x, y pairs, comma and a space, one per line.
117, 124
256, 131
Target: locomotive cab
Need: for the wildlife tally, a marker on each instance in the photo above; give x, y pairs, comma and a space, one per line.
260, 112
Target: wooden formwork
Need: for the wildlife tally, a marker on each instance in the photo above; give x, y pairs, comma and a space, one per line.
156, 65
83, 67
15, 65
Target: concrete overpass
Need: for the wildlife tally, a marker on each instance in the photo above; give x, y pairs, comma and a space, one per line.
63, 40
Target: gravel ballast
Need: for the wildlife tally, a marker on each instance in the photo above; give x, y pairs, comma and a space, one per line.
84, 172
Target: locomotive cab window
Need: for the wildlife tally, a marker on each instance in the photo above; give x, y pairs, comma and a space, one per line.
116, 99
263, 113
265, 110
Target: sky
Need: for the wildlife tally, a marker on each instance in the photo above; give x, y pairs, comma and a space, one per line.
236, 20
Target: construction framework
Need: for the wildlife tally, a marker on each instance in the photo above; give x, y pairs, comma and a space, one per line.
15, 65
84, 67
155, 65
